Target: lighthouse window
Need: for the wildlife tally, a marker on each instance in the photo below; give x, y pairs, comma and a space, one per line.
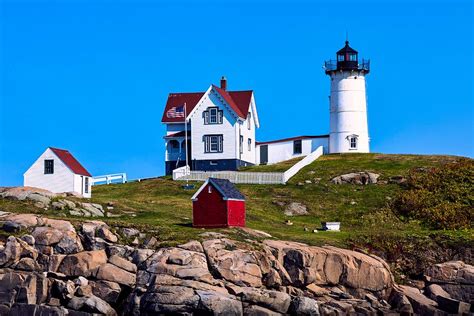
340, 57
353, 142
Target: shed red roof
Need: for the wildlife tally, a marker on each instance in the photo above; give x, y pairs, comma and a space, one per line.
239, 101
70, 161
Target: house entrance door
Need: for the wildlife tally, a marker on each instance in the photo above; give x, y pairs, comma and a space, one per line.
263, 154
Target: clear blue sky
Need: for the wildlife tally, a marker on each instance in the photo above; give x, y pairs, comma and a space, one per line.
93, 76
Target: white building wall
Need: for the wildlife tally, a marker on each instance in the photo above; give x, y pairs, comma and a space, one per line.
80, 185
228, 129
281, 151
248, 155
348, 112
62, 180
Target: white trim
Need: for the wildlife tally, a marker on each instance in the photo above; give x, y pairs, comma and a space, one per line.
227, 199
194, 197
199, 103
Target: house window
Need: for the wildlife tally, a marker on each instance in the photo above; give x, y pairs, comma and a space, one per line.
49, 166
241, 143
297, 147
249, 144
213, 116
86, 185
249, 121
353, 142
213, 143
209, 189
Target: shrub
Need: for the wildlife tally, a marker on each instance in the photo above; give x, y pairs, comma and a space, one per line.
441, 197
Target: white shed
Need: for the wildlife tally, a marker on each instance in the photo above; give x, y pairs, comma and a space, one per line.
58, 171
284, 149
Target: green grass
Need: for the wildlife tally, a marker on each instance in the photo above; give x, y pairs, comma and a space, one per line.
163, 208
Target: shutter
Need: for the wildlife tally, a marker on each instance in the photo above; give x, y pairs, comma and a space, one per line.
205, 115
221, 145
220, 114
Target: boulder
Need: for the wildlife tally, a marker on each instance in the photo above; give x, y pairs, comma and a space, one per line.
296, 208
274, 300
47, 236
110, 272
255, 310
123, 263
14, 250
169, 300
30, 240
421, 304
105, 233
27, 264
218, 303
83, 263
445, 302
304, 306
359, 178
108, 291
192, 245
331, 266
130, 232
95, 210
91, 304
179, 263
455, 277
237, 266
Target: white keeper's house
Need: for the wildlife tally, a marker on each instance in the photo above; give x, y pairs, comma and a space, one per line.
57, 170
220, 129
221, 124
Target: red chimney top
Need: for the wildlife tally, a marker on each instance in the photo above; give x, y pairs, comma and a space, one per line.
223, 83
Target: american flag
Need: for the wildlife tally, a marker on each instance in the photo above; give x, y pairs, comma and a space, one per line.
175, 111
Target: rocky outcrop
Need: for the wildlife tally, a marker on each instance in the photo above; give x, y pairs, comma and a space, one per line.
359, 178
91, 273
56, 201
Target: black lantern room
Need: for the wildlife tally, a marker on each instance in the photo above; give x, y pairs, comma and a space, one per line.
347, 58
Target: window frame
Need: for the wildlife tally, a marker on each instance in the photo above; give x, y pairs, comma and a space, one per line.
297, 143
249, 121
208, 143
353, 140
213, 113
86, 184
241, 144
48, 169
249, 144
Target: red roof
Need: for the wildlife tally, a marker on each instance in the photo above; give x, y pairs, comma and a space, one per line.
239, 101
70, 161
290, 139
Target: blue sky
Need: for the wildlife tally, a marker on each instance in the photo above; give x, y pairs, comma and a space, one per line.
93, 76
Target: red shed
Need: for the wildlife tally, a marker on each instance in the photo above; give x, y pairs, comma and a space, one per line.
218, 203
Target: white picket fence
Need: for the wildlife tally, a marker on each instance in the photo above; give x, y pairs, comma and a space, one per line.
184, 173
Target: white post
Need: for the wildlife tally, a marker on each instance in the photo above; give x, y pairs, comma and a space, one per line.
186, 141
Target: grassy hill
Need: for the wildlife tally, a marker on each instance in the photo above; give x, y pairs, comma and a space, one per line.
161, 206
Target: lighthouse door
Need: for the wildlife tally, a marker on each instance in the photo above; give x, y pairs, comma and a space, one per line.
263, 154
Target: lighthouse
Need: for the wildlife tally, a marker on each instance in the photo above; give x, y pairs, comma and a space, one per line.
348, 102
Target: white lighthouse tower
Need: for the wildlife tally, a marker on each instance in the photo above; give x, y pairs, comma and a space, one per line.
348, 103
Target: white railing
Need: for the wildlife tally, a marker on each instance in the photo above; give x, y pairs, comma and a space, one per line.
303, 163
109, 178
184, 173
180, 173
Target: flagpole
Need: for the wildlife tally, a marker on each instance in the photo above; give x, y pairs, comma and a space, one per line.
186, 138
